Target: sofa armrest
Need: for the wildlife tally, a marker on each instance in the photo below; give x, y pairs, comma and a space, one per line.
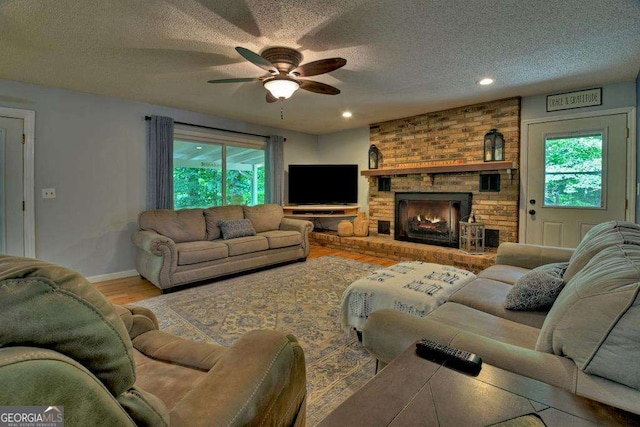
156, 257
531, 256
260, 380
152, 242
137, 320
304, 227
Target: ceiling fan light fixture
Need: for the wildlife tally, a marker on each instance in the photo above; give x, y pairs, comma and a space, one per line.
281, 88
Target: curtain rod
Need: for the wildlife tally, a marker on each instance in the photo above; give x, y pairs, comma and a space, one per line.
212, 128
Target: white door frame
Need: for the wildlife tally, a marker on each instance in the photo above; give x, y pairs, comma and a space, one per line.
630, 214
29, 120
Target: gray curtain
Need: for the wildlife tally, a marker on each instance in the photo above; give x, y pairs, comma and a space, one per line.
160, 163
274, 173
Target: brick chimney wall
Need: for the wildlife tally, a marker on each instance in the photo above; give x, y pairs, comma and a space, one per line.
441, 136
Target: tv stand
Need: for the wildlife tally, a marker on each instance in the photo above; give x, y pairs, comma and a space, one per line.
320, 211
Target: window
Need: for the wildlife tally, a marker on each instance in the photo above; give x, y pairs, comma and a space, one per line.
210, 170
245, 176
573, 175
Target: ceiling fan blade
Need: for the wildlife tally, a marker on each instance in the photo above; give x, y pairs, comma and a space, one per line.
256, 59
236, 80
318, 87
319, 67
271, 98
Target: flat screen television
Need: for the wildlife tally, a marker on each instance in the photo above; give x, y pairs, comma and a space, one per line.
323, 184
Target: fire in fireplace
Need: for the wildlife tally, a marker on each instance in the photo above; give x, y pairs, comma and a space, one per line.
432, 218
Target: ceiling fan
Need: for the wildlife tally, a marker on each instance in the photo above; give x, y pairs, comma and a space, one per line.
282, 64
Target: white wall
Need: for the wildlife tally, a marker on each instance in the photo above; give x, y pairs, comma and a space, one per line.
350, 146
91, 149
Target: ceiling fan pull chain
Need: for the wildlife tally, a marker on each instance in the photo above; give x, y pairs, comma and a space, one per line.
281, 110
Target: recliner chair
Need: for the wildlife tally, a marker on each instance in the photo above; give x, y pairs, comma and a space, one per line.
63, 344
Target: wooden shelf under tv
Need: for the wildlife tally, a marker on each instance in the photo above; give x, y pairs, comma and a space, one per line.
320, 211
461, 167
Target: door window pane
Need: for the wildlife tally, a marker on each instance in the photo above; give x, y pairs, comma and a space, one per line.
573, 175
197, 174
245, 176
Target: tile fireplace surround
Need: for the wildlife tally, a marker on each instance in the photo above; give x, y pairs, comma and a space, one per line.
450, 137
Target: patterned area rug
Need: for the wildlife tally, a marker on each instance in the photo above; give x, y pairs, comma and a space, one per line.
302, 299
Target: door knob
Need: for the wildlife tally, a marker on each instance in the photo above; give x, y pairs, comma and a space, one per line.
532, 211
532, 201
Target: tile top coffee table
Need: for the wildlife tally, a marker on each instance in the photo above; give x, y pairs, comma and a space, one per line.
412, 391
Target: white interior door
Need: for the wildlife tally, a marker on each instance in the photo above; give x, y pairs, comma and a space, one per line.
12, 188
576, 177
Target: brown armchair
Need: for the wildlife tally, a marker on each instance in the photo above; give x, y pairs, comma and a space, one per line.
63, 344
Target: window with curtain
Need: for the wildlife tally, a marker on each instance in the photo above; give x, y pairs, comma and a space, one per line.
214, 170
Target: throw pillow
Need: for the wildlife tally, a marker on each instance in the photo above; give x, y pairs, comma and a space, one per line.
236, 228
537, 289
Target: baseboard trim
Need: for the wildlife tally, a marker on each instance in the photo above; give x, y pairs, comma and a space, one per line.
112, 276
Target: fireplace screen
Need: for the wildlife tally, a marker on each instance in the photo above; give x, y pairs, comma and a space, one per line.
431, 218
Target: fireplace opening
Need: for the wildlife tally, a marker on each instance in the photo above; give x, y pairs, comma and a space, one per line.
431, 218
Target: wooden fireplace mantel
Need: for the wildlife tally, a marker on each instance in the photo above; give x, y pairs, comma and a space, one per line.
461, 167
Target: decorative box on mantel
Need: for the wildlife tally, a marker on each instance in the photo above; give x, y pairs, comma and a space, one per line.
472, 237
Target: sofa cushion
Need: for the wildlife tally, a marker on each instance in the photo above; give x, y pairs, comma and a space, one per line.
236, 228
599, 237
282, 239
489, 295
595, 319
537, 289
478, 322
183, 225
201, 251
220, 213
503, 273
246, 245
264, 217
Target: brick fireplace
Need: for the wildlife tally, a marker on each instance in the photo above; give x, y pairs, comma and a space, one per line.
442, 138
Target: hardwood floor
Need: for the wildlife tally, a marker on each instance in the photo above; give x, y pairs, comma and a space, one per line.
132, 289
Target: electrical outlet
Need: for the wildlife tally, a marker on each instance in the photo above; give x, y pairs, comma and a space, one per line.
48, 193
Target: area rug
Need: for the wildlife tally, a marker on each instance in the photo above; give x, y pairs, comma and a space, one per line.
302, 299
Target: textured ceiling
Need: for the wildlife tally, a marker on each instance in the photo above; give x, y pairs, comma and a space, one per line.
403, 57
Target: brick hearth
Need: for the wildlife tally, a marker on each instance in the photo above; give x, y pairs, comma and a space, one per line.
387, 247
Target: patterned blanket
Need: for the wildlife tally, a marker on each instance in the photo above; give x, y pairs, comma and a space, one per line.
413, 287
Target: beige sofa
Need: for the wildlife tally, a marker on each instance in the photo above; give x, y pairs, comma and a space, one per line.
588, 341
180, 247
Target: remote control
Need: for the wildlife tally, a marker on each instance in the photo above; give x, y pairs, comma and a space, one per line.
451, 356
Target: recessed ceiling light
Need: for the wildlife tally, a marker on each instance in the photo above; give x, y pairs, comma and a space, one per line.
486, 81
198, 148
347, 114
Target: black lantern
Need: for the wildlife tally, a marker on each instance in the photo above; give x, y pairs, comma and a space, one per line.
374, 156
493, 146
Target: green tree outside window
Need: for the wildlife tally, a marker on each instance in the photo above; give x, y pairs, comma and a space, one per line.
573, 171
